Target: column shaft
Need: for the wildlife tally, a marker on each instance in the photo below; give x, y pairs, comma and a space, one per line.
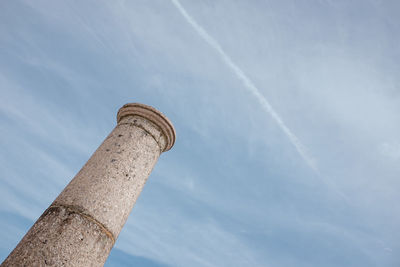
81, 225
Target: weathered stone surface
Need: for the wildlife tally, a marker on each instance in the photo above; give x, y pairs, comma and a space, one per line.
62, 237
82, 224
110, 182
151, 115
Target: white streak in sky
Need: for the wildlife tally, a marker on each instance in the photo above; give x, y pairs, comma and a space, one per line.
249, 85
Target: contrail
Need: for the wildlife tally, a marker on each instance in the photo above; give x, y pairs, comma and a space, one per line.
249, 85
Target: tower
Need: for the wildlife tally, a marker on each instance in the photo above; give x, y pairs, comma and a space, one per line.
81, 225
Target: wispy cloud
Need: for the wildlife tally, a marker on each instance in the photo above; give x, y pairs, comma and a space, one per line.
192, 243
249, 85
331, 83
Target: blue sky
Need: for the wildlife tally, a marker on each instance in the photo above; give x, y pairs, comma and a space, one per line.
286, 112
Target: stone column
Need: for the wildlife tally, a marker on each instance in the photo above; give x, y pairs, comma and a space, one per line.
81, 225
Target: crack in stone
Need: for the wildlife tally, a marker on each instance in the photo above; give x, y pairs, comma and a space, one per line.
141, 127
80, 211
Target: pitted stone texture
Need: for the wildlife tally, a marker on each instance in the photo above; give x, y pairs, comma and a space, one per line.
152, 115
62, 237
148, 126
108, 185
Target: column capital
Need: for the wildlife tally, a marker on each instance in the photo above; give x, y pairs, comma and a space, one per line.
154, 116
